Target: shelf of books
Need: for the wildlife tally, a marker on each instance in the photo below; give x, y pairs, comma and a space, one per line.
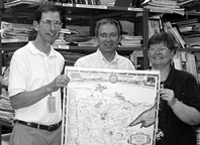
72, 36
74, 41
93, 4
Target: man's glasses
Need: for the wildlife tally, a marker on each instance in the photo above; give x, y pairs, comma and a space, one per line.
112, 36
49, 23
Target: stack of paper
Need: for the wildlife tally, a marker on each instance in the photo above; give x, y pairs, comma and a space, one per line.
131, 41
165, 6
16, 32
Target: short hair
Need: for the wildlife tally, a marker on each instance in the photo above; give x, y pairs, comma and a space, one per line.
46, 8
108, 21
164, 37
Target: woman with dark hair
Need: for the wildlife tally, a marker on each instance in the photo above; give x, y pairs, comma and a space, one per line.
179, 108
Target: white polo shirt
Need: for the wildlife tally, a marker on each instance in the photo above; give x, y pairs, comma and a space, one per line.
97, 60
29, 70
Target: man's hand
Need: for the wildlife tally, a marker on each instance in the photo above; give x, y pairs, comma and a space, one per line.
58, 82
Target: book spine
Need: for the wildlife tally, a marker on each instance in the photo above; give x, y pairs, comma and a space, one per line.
185, 2
98, 2
198, 135
79, 1
89, 2
191, 5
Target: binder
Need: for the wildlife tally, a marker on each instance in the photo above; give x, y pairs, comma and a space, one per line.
123, 3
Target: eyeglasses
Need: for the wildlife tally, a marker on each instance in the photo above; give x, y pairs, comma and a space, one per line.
161, 49
112, 36
49, 23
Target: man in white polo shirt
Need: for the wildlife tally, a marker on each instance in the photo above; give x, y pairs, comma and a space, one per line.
34, 84
108, 34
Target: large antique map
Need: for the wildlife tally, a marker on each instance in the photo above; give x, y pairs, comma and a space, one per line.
100, 104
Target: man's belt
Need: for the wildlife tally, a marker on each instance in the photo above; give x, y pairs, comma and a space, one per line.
39, 126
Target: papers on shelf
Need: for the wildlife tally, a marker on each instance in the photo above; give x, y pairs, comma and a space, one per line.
16, 32
131, 41
18, 2
165, 10
163, 6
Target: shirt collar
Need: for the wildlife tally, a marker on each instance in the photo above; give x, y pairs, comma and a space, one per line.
34, 50
100, 55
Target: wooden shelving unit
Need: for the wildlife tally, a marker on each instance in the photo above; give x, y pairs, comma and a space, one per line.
89, 13
1, 9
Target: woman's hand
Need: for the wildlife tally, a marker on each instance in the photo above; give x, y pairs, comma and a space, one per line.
146, 118
168, 95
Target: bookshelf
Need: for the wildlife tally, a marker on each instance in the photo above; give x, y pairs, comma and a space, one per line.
187, 38
1, 9
88, 14
181, 27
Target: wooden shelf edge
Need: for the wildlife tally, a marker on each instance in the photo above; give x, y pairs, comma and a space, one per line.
12, 4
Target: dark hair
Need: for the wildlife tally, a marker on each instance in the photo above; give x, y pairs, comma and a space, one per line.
108, 21
46, 8
164, 37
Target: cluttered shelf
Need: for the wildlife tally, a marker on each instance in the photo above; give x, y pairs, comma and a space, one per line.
112, 12
33, 3
5, 123
6, 110
75, 37
88, 14
72, 10
5, 129
10, 47
14, 15
190, 49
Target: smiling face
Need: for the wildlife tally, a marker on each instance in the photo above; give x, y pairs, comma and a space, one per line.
108, 38
48, 28
160, 55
